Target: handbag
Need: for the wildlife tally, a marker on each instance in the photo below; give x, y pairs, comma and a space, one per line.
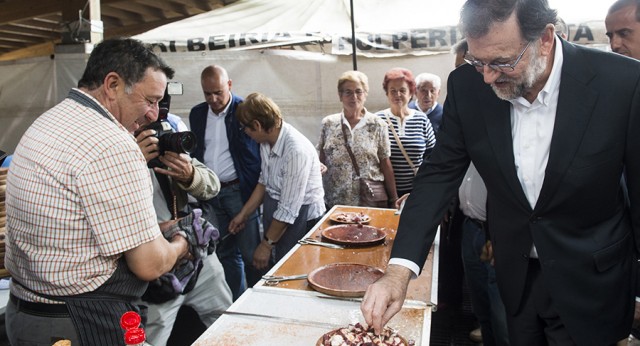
372, 192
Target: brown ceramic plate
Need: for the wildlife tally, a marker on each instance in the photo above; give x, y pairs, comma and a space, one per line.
344, 279
320, 342
350, 217
354, 235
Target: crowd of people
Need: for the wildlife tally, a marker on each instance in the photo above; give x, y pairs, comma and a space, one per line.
535, 144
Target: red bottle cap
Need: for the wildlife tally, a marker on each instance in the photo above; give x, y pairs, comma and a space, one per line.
130, 320
134, 336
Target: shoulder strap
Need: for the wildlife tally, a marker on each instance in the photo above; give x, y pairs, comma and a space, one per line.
346, 143
404, 152
169, 196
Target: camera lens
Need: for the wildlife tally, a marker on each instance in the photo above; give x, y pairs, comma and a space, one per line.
179, 142
187, 141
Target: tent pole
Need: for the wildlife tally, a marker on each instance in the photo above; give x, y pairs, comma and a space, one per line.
353, 38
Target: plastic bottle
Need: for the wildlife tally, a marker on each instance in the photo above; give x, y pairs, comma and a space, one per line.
130, 320
133, 335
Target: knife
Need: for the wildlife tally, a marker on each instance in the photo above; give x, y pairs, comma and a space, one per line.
311, 241
408, 303
285, 319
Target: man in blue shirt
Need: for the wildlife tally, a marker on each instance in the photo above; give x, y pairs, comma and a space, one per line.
235, 158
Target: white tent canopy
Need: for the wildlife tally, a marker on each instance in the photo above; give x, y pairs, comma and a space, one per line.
301, 78
382, 27
416, 34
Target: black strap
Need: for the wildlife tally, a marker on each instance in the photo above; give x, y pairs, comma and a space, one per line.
82, 99
3, 156
165, 186
353, 158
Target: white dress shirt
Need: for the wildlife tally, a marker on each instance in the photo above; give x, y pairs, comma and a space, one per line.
217, 155
532, 129
473, 195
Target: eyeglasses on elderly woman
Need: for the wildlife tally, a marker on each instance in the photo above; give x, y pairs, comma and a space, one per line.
349, 93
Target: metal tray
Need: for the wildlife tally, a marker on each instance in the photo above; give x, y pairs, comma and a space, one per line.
344, 279
354, 235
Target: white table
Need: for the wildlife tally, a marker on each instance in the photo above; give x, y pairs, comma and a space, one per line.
294, 314
264, 316
4, 299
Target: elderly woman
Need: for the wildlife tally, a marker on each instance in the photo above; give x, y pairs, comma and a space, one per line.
290, 184
367, 138
410, 130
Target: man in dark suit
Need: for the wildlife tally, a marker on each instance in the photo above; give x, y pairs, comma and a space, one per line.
550, 127
623, 27
235, 158
427, 93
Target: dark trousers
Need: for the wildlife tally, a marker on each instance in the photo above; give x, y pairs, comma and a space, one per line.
483, 289
537, 323
450, 285
26, 328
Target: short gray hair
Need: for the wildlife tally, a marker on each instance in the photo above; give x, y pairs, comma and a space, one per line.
428, 77
477, 16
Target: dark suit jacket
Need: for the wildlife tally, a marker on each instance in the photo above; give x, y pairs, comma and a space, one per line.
584, 233
245, 152
435, 117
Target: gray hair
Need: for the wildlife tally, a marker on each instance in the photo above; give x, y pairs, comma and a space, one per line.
460, 48
356, 77
127, 57
562, 28
477, 16
428, 77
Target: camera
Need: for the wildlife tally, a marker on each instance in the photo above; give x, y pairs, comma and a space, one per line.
168, 139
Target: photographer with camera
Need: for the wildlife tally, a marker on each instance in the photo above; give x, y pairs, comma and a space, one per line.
175, 175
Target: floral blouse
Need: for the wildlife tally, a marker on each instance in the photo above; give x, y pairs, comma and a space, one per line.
370, 144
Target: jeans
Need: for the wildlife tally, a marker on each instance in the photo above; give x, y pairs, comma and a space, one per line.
236, 251
483, 289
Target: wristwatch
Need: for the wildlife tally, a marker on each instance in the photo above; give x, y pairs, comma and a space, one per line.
269, 241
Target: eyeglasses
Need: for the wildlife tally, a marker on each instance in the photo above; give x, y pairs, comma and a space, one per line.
349, 93
401, 91
150, 103
479, 65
